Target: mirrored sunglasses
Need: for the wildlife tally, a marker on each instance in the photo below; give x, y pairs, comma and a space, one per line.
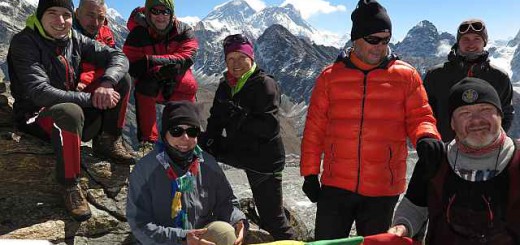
476, 26
192, 132
155, 11
237, 38
373, 40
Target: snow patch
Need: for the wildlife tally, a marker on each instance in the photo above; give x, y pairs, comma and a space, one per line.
32, 2
190, 20
113, 13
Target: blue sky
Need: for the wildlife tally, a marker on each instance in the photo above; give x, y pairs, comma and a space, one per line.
500, 16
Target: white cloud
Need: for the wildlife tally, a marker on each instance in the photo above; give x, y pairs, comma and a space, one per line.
256, 4
309, 8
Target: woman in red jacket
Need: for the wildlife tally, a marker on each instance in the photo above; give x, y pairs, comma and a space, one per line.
161, 50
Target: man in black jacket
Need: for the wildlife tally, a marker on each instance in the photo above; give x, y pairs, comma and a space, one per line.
466, 59
44, 67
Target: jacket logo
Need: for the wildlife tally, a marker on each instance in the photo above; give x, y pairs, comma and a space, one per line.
469, 96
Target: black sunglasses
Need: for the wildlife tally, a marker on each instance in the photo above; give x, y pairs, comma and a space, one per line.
192, 132
155, 11
476, 26
377, 40
237, 38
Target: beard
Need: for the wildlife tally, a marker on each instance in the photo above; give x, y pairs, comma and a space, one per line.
480, 141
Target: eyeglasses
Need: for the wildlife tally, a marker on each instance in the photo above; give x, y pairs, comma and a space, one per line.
373, 40
192, 132
155, 11
476, 26
237, 38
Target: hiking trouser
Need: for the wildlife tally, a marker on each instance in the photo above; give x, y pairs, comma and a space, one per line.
67, 124
146, 97
338, 209
267, 193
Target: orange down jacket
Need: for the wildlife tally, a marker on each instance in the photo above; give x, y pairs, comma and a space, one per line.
359, 121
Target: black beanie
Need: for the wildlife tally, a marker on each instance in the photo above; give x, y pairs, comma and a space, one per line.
470, 91
45, 4
179, 112
369, 17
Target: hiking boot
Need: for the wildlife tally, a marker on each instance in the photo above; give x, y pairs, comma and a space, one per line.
110, 146
145, 147
76, 203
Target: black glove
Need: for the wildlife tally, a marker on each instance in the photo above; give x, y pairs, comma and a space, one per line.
208, 144
168, 87
430, 149
311, 187
138, 68
166, 72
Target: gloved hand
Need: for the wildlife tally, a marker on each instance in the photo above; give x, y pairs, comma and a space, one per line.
138, 68
208, 144
166, 72
429, 148
311, 187
168, 87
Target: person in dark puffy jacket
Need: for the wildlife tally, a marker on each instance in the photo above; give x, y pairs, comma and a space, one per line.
466, 59
246, 106
161, 50
44, 66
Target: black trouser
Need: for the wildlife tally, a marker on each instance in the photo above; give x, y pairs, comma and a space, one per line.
267, 192
338, 209
67, 124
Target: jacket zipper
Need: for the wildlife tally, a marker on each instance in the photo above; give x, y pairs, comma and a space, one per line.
361, 129
332, 159
390, 167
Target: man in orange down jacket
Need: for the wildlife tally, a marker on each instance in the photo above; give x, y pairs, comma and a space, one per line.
362, 109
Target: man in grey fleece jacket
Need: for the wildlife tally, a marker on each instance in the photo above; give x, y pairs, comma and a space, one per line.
467, 189
177, 189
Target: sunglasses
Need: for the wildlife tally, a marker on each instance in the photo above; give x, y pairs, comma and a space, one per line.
192, 132
155, 11
237, 38
373, 40
476, 26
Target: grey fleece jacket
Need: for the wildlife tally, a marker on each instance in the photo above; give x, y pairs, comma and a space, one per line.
148, 208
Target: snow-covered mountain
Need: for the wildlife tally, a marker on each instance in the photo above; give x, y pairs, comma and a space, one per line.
237, 16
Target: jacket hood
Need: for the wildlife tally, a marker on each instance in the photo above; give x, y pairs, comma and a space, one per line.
34, 24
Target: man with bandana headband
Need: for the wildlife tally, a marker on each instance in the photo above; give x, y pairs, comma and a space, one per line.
178, 192
466, 59
161, 50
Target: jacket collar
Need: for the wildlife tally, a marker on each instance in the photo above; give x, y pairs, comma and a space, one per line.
344, 56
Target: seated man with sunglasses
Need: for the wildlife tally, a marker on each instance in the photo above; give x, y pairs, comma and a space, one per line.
468, 189
362, 110
161, 50
178, 193
466, 59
